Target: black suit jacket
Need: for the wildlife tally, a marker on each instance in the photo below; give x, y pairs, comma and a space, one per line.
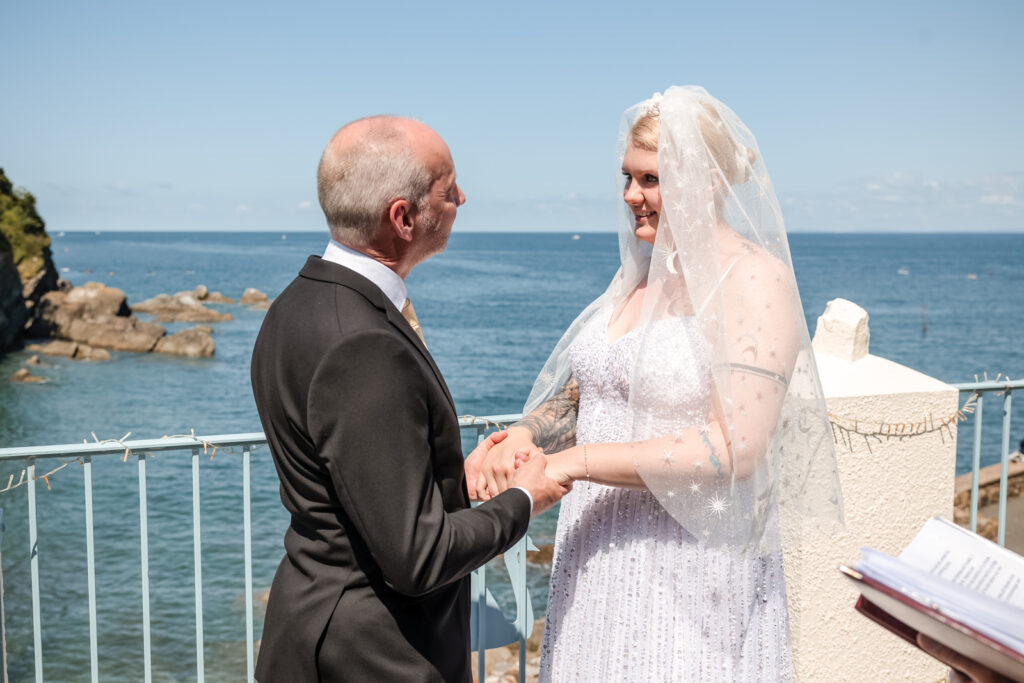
374, 585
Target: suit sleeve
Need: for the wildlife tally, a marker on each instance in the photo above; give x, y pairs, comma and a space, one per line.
369, 420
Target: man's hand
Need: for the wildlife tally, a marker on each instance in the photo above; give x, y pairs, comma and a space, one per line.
498, 464
964, 670
544, 490
472, 464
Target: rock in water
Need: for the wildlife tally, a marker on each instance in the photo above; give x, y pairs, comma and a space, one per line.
93, 302
218, 298
194, 342
115, 333
86, 352
96, 299
203, 294
59, 347
23, 375
252, 296
97, 317
183, 307
544, 554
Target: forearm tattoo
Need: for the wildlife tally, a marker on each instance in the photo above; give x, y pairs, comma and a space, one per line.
553, 423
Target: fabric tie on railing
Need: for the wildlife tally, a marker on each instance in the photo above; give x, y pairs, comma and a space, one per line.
409, 313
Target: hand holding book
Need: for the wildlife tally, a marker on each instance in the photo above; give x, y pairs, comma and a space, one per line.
963, 670
960, 591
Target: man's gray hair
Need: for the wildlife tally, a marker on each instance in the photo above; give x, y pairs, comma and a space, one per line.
356, 185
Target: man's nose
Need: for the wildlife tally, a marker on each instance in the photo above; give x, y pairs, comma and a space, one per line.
462, 196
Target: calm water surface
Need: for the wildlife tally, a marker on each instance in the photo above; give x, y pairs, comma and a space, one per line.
493, 305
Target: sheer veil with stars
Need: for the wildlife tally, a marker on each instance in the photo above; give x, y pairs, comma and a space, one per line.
720, 262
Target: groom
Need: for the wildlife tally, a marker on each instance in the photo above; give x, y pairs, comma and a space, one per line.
374, 583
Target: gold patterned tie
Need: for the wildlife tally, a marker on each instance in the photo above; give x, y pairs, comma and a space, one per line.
409, 313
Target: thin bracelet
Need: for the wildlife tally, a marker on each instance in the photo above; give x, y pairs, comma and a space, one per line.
586, 467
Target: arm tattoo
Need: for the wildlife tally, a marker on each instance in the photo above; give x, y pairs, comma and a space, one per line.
553, 423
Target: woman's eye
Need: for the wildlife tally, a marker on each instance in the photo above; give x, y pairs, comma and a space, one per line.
651, 178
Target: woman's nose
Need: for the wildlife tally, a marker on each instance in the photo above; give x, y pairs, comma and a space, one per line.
632, 194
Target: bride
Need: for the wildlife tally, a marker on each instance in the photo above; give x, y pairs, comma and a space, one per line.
685, 405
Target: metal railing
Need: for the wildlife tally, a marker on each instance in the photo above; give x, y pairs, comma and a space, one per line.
978, 391
490, 627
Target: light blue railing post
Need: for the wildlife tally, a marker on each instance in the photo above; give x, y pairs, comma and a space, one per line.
478, 584
976, 463
197, 551
1005, 460
147, 643
90, 560
247, 524
979, 389
3, 607
33, 544
522, 612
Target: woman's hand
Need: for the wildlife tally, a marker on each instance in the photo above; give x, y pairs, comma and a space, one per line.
559, 465
499, 462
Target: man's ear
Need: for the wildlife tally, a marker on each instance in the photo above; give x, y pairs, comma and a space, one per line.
400, 215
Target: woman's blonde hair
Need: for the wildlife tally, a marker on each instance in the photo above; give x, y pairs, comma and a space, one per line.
733, 159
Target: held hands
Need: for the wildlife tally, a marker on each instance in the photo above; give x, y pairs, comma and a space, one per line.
489, 468
496, 464
544, 490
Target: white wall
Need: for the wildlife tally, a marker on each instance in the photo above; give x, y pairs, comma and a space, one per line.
889, 492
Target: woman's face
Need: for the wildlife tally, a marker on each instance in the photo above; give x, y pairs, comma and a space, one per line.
641, 192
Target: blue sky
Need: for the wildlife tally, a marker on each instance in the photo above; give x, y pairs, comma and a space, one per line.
871, 116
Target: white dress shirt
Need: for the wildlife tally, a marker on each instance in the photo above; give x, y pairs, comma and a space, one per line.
387, 280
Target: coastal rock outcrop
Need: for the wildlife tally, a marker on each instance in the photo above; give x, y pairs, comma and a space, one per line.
98, 316
13, 312
182, 307
254, 298
67, 349
204, 294
27, 271
194, 342
23, 375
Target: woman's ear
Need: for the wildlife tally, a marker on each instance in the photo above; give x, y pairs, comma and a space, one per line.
716, 181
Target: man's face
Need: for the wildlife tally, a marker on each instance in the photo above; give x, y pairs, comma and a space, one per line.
437, 214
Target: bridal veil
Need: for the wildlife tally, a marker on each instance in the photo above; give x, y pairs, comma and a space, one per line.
720, 257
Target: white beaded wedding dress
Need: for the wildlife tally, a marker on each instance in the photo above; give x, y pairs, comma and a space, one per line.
715, 398
633, 595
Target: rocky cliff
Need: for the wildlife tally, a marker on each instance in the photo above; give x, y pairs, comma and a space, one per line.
26, 264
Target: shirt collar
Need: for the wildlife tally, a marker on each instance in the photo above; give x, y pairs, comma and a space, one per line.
376, 272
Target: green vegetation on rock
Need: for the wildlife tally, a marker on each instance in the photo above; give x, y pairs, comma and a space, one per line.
24, 230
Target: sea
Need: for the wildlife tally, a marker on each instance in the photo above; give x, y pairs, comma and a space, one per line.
492, 307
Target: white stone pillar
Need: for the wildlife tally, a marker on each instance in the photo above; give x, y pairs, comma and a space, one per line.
892, 483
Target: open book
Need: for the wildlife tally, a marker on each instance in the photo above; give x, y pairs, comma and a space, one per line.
954, 586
